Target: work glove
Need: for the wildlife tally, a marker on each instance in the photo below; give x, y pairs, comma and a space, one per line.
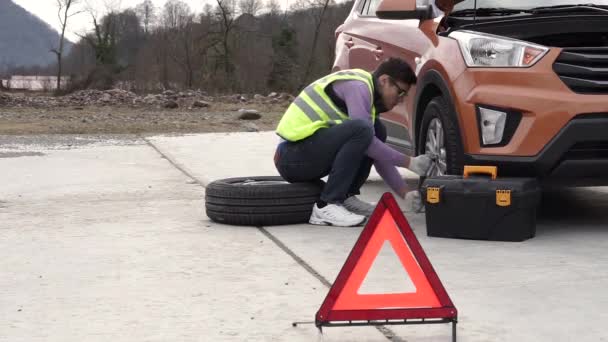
421, 165
413, 202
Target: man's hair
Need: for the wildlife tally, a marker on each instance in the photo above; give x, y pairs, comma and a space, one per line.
396, 68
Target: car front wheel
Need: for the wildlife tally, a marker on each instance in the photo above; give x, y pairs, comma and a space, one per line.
440, 139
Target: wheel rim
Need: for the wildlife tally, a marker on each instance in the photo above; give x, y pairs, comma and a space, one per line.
435, 148
253, 182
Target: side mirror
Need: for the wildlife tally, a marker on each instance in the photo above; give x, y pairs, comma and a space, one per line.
403, 9
447, 6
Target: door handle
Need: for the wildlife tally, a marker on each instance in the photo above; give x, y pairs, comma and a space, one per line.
378, 53
349, 43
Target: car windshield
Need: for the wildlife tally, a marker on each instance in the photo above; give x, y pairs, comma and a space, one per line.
523, 4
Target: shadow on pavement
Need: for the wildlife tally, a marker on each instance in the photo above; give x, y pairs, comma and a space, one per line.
572, 209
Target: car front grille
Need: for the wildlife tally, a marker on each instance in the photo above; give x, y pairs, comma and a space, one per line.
584, 70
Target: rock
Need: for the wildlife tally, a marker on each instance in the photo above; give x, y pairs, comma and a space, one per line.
169, 93
249, 114
273, 94
150, 99
286, 97
171, 104
200, 104
251, 127
258, 97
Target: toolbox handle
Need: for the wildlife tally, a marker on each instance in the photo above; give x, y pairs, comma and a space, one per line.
476, 169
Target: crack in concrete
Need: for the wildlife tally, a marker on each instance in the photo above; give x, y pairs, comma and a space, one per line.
20, 154
387, 332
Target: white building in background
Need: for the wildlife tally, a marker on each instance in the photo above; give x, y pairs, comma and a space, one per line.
34, 83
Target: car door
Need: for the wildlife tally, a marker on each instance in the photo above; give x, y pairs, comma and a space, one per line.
373, 40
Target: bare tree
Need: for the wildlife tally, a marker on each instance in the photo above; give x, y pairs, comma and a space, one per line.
284, 60
321, 6
273, 7
182, 51
226, 14
64, 14
176, 14
250, 6
159, 42
207, 11
103, 42
175, 40
218, 48
46, 84
147, 14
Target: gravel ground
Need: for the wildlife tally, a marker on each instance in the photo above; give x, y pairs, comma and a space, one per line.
23, 115
121, 120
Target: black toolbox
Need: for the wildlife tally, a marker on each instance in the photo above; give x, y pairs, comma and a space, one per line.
481, 206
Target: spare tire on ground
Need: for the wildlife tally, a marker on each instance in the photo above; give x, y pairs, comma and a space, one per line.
260, 201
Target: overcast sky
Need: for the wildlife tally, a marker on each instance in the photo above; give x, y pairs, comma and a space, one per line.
47, 11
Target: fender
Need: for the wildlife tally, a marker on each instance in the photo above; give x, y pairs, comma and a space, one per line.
431, 79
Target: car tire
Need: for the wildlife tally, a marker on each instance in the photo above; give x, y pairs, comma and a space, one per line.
439, 109
260, 201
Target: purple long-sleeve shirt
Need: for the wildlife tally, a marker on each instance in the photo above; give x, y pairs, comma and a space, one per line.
358, 101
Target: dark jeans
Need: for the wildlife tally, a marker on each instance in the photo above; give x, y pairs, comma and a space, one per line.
338, 151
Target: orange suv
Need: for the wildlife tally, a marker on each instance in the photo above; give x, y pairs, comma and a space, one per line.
522, 85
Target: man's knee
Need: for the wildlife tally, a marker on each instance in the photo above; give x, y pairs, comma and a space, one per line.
363, 129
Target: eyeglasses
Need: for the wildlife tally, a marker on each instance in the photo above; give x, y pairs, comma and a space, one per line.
402, 92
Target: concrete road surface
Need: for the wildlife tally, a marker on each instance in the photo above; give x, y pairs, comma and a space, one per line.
106, 239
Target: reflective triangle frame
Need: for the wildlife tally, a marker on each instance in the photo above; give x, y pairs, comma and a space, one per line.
442, 311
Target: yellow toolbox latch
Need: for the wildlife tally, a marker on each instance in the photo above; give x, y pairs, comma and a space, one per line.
432, 195
503, 198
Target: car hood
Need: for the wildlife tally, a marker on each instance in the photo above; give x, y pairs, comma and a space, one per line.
569, 30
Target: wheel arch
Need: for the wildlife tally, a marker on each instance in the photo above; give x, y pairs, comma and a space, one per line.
432, 84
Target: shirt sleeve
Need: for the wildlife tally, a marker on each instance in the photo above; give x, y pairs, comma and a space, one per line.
392, 177
358, 102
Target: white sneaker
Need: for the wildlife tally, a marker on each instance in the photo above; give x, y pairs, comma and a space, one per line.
359, 207
421, 165
334, 215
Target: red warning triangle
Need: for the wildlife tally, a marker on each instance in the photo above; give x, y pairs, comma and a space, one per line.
428, 301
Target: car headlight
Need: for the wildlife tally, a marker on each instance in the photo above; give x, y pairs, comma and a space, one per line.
486, 50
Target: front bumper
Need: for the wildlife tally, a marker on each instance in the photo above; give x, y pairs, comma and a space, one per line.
545, 104
577, 155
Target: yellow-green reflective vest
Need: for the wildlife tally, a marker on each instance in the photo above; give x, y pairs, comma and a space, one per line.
313, 109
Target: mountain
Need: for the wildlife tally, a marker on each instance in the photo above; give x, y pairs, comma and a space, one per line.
25, 40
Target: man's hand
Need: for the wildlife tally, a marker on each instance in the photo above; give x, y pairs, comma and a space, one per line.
413, 202
420, 165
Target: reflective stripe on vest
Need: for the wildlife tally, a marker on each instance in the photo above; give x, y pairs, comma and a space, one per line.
313, 108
